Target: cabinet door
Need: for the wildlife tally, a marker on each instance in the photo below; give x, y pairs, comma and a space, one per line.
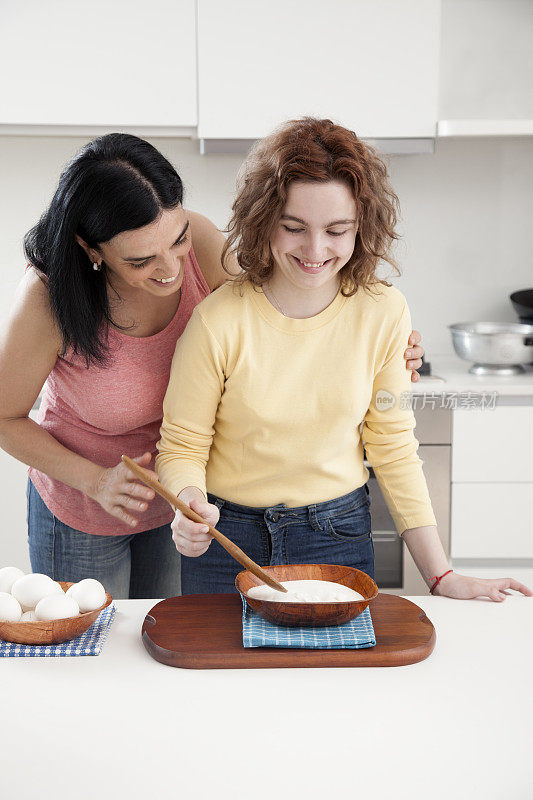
486, 60
492, 444
119, 63
491, 520
371, 65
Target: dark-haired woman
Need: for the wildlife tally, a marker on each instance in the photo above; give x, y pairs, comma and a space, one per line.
292, 369
117, 266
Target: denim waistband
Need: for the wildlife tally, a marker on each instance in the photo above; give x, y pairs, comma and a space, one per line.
338, 504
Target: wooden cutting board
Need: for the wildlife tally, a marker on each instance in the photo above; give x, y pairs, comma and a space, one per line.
204, 631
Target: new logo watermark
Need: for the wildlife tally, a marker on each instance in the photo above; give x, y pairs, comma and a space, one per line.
384, 400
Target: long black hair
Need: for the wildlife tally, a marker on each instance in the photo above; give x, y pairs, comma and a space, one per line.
115, 183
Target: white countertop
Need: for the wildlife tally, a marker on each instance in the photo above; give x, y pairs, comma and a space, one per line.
121, 725
449, 373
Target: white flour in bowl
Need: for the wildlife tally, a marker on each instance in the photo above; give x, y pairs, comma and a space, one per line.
306, 592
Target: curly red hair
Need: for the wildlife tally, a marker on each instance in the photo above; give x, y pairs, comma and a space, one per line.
310, 149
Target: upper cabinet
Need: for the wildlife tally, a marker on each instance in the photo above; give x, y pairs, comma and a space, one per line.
397, 71
486, 68
371, 65
98, 63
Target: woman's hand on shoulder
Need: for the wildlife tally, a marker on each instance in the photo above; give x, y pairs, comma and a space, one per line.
30, 341
192, 538
208, 241
413, 355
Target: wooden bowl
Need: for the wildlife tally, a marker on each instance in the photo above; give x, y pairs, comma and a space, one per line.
54, 631
310, 614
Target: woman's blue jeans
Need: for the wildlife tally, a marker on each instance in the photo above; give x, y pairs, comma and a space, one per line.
137, 565
335, 532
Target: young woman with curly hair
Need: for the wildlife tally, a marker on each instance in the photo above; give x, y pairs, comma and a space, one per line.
283, 374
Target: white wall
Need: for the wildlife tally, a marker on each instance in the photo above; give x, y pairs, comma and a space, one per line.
466, 213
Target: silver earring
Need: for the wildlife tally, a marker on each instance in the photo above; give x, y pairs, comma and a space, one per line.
97, 267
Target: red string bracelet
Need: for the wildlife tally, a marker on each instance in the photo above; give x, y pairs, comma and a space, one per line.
438, 580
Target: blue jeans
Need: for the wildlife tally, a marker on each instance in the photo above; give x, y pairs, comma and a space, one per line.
335, 532
136, 565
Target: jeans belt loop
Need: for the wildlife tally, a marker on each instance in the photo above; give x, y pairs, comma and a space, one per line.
313, 519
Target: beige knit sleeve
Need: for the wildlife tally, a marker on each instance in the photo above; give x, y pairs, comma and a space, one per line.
388, 436
189, 408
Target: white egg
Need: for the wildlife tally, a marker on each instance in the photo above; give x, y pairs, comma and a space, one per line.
10, 610
28, 616
8, 576
33, 587
89, 594
56, 606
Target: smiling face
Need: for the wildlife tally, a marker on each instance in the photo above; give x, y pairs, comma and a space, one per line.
315, 236
151, 258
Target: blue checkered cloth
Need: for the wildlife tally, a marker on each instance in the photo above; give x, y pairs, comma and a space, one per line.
258, 632
89, 643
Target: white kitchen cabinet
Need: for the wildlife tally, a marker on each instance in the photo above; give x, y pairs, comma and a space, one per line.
492, 482
371, 65
486, 66
99, 63
492, 520
492, 444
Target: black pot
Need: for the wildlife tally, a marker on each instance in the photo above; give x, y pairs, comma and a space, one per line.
523, 304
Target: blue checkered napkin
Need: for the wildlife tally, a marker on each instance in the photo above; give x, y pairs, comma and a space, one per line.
89, 643
258, 632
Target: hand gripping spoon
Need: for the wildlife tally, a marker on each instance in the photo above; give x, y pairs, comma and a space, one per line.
238, 554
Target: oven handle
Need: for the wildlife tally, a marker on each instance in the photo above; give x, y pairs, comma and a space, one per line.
384, 536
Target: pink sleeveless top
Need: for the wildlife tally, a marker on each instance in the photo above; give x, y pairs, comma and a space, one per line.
102, 412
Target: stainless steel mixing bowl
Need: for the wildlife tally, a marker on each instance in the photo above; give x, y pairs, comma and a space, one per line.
497, 348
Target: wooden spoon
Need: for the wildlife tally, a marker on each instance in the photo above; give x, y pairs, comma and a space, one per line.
238, 554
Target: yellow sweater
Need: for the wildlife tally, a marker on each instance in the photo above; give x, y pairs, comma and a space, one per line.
264, 409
